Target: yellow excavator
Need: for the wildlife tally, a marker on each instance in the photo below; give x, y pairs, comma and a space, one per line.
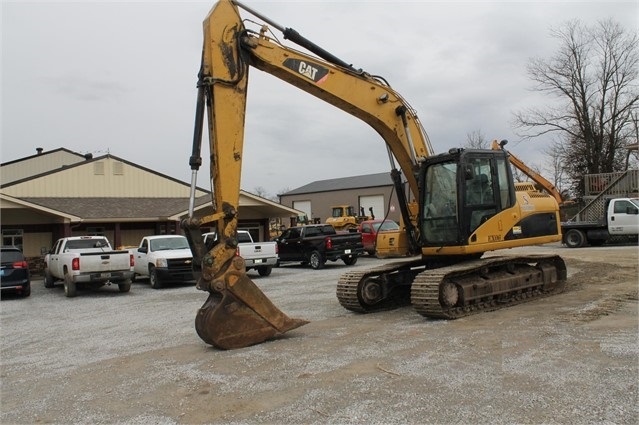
461, 204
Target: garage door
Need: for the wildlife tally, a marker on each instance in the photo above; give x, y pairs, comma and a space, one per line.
303, 206
375, 201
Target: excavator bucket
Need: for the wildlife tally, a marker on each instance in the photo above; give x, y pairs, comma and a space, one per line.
237, 314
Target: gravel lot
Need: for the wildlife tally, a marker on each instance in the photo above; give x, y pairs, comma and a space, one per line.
134, 358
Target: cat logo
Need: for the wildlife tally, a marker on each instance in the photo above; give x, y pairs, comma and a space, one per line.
312, 71
494, 238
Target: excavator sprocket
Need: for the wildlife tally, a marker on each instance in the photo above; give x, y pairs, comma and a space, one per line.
238, 314
485, 285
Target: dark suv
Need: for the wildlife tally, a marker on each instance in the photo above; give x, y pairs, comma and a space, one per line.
14, 273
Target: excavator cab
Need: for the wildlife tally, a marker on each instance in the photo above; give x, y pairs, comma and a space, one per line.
469, 205
462, 190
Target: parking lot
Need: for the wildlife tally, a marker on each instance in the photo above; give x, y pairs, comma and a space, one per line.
111, 357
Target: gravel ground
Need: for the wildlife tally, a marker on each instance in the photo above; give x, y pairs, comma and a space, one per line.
134, 358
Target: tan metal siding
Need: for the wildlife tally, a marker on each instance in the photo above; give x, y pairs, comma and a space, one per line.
37, 165
132, 237
33, 243
82, 181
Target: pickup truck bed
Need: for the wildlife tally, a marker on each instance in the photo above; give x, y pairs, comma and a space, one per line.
261, 256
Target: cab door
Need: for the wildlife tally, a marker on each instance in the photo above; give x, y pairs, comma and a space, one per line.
141, 266
623, 217
55, 265
289, 243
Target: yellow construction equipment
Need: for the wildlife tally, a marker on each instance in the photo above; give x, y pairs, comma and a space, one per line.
344, 217
461, 203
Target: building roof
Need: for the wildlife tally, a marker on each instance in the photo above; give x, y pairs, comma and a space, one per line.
80, 157
344, 183
118, 208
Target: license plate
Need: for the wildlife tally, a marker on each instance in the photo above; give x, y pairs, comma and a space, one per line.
257, 261
347, 251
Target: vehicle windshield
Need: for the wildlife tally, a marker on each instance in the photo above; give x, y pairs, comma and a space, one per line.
169, 243
386, 225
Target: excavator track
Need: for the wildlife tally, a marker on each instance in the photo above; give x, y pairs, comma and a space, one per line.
485, 285
365, 291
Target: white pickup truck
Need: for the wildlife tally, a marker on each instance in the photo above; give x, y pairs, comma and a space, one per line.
620, 218
87, 260
261, 256
163, 259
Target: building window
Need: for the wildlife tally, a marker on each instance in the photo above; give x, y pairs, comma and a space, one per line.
12, 237
98, 168
118, 168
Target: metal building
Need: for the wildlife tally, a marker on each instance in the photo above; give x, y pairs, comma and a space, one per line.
367, 191
61, 193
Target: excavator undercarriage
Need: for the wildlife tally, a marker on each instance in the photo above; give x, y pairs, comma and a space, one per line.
454, 290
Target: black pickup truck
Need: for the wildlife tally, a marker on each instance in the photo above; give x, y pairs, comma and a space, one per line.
316, 244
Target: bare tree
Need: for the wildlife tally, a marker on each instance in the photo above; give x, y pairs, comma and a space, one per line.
476, 140
555, 170
594, 77
261, 192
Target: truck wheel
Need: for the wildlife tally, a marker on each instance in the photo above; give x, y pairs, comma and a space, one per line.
124, 286
349, 260
48, 280
153, 278
69, 286
575, 238
315, 260
264, 270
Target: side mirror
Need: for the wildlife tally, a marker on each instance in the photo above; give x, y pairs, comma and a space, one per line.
143, 250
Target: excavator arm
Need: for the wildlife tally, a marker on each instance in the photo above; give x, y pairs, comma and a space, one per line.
237, 313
